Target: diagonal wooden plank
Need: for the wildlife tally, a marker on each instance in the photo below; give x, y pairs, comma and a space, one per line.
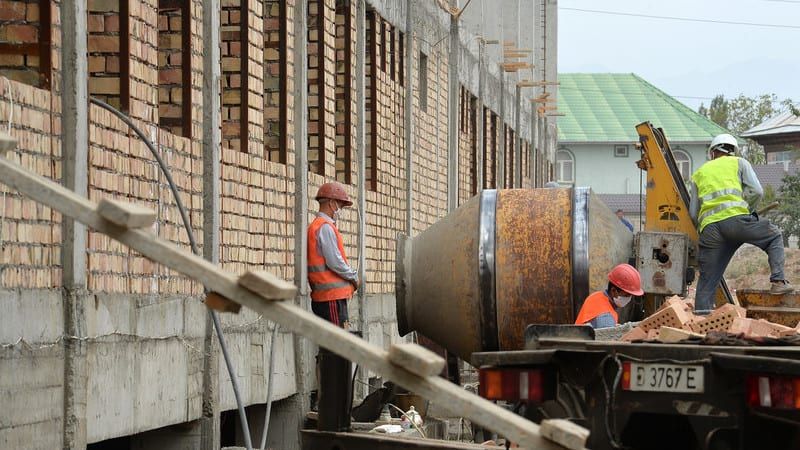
450, 396
125, 214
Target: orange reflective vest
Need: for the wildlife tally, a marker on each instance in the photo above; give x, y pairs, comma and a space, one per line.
595, 305
326, 285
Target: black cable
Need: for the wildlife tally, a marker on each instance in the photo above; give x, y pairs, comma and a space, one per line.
193, 243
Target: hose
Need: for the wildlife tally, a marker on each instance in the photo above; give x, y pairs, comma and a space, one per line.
193, 243
269, 388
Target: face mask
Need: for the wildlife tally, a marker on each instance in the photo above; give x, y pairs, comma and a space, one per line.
622, 301
336, 213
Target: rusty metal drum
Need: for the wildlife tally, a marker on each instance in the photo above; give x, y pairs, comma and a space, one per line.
505, 259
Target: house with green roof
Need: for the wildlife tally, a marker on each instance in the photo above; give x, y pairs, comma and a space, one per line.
597, 135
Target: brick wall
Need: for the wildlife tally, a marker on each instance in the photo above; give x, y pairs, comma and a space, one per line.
467, 146
321, 86
105, 74
346, 104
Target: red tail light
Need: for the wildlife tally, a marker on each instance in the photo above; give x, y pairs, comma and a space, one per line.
773, 391
512, 384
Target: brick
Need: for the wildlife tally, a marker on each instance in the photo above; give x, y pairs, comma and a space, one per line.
95, 23
103, 44
112, 23
19, 33
636, 334
720, 320
672, 316
12, 10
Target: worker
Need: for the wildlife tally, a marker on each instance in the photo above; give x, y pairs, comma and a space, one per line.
330, 276
724, 192
600, 308
621, 217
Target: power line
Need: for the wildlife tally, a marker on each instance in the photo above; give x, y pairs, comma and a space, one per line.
683, 19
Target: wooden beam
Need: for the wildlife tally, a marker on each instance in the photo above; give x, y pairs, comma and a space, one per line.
124, 214
417, 359
449, 396
566, 433
267, 285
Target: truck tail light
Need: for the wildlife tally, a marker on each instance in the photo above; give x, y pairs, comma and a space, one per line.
773, 391
512, 384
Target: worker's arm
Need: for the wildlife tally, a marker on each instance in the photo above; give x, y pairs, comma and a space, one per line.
605, 320
694, 201
329, 248
751, 187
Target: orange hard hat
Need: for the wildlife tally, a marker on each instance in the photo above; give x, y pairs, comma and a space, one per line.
334, 191
625, 277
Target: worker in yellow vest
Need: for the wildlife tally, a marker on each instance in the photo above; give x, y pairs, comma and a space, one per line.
330, 276
724, 193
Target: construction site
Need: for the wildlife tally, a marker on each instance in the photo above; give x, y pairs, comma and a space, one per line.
162, 165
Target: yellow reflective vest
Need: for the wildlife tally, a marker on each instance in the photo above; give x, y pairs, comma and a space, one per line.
719, 190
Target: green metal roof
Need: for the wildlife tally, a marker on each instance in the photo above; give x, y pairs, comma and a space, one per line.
606, 107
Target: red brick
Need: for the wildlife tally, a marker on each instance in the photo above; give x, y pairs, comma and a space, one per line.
12, 10
19, 33
169, 76
95, 23
112, 23
103, 44
32, 15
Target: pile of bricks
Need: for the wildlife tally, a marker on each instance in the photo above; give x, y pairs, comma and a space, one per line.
675, 321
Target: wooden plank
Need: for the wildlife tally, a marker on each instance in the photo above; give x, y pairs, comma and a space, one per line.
6, 143
449, 396
416, 358
566, 433
268, 285
124, 214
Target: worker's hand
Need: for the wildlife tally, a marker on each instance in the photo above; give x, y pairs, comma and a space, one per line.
355, 283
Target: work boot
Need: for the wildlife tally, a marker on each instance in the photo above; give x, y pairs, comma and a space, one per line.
781, 287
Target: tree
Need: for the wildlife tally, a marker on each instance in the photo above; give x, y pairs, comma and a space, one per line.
742, 113
788, 217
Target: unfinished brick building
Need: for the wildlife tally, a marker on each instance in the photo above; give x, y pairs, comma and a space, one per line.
100, 347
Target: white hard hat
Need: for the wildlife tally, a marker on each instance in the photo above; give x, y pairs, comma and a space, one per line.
724, 143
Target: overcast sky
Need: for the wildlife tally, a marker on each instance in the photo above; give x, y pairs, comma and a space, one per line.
687, 59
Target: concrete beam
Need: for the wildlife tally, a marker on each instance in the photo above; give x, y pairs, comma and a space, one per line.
452, 116
212, 142
75, 158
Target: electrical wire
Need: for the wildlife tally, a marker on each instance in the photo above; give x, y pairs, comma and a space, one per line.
195, 249
682, 19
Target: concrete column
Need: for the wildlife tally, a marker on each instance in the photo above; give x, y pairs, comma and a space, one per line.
75, 147
212, 141
452, 115
304, 350
361, 149
479, 138
409, 118
517, 134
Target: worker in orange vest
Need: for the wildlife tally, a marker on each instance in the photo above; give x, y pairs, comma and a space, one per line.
600, 308
331, 277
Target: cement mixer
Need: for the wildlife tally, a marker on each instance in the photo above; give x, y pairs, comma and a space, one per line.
506, 258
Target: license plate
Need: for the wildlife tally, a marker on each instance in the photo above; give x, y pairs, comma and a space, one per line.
654, 377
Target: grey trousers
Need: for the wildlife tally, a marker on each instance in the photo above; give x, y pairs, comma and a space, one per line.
720, 240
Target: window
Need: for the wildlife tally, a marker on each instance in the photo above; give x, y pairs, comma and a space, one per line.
565, 167
108, 47
621, 151
423, 81
684, 163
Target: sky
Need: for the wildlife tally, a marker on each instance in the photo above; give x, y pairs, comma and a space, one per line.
691, 61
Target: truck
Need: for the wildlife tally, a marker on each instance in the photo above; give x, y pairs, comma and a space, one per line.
499, 280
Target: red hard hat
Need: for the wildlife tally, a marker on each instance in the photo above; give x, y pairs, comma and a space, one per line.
625, 277
334, 191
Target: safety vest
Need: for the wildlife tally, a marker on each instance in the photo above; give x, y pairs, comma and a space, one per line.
719, 191
326, 285
595, 305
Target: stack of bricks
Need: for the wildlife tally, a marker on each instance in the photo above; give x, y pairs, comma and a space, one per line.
675, 322
232, 82
30, 233
105, 76
170, 69
19, 24
321, 86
